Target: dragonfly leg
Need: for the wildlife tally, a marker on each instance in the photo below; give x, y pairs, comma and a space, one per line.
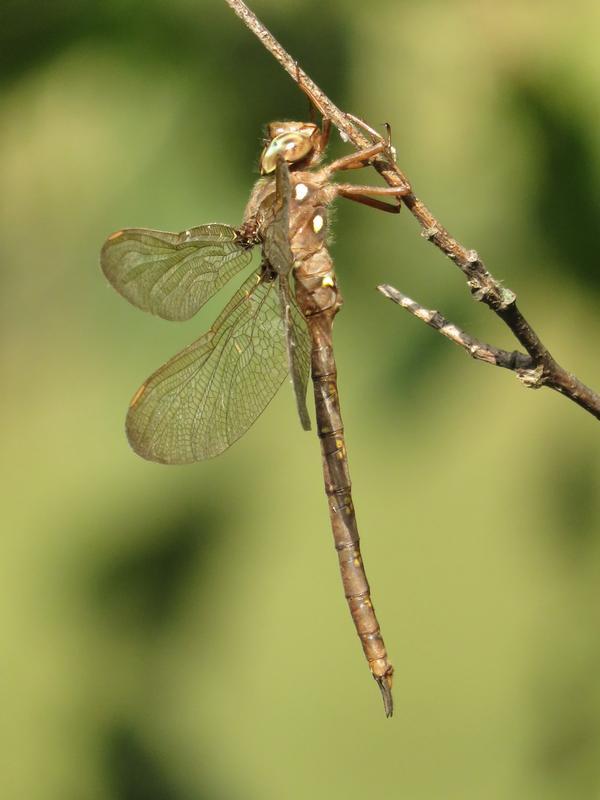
357, 160
377, 137
360, 194
313, 100
314, 108
325, 131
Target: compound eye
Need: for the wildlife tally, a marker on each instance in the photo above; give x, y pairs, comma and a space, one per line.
294, 147
291, 147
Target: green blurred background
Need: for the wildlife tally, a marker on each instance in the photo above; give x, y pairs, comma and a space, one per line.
179, 633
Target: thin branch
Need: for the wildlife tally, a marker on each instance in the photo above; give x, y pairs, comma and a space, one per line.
527, 370
327, 108
516, 361
482, 284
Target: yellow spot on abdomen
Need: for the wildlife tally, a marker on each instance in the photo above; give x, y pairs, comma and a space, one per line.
115, 235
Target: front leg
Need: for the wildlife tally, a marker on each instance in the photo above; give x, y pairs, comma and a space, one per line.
363, 157
375, 136
358, 160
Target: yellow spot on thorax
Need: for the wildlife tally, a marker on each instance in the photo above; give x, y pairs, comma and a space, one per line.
301, 191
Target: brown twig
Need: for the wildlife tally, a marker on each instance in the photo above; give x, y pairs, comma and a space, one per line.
519, 362
482, 284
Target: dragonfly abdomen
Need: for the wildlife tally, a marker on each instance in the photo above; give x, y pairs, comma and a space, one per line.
336, 473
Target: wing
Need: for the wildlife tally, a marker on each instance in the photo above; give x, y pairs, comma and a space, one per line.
207, 396
277, 250
276, 246
298, 348
172, 274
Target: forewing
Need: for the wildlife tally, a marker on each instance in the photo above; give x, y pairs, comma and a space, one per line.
207, 396
172, 274
276, 245
298, 349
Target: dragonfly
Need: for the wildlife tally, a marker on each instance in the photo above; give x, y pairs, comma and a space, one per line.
278, 323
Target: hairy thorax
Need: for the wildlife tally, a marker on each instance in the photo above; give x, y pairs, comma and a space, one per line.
311, 195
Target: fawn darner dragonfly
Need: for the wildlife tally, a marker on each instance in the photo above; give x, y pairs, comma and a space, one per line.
202, 400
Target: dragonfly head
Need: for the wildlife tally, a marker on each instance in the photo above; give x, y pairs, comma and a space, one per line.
298, 143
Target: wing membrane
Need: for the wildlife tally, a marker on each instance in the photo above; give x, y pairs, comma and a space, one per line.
207, 396
298, 349
279, 255
172, 274
277, 238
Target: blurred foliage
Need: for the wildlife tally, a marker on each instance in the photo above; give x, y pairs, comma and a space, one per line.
136, 773
142, 589
566, 204
175, 633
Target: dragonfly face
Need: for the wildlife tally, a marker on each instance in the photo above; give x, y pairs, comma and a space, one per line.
295, 142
